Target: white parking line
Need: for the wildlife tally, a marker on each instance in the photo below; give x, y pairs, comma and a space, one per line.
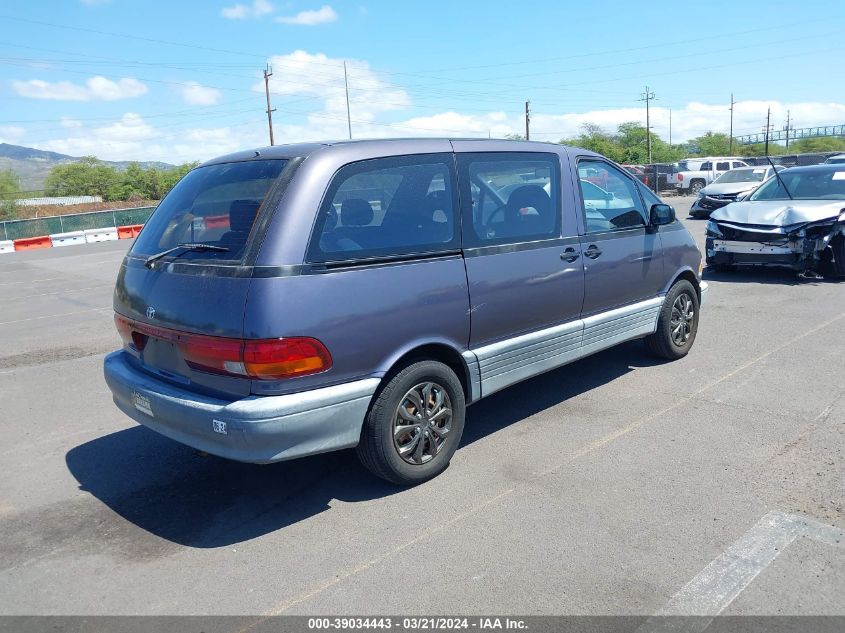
50, 316
718, 584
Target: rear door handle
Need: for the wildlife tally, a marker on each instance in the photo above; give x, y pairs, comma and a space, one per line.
592, 251
570, 255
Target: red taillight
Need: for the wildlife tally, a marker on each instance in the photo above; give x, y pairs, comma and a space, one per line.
285, 357
264, 359
680, 177
123, 328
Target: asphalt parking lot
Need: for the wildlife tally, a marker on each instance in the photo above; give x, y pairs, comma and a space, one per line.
616, 485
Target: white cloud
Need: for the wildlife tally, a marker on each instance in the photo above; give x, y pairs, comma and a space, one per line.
95, 89
197, 94
71, 123
11, 134
318, 78
323, 15
243, 11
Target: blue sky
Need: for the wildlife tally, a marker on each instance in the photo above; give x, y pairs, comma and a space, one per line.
175, 81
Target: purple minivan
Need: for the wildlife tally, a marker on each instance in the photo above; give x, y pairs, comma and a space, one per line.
299, 299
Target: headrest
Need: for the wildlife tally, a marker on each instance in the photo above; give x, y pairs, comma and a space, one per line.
356, 212
529, 196
242, 214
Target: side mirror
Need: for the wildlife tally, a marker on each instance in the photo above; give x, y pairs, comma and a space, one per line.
661, 214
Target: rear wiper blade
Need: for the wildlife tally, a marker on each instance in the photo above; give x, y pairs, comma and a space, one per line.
184, 247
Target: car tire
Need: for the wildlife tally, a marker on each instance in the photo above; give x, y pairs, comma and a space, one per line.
677, 323
422, 450
837, 248
695, 187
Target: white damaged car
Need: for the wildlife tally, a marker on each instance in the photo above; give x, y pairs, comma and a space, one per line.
796, 219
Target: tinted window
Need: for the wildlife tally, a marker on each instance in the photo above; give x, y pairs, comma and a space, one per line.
510, 197
216, 204
723, 166
738, 164
611, 199
706, 166
388, 206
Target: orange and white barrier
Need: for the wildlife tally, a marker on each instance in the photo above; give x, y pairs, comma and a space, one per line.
71, 238
67, 239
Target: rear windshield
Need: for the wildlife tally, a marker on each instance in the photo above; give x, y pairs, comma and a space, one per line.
216, 204
744, 174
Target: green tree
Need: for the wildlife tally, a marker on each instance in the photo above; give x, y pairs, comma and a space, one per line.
713, 144
87, 177
634, 142
10, 186
821, 144
594, 138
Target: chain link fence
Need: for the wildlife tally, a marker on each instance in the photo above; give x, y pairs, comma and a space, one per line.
35, 227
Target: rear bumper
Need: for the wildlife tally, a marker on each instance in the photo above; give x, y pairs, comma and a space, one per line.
258, 429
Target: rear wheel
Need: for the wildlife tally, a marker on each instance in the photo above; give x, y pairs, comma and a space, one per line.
696, 186
677, 323
415, 424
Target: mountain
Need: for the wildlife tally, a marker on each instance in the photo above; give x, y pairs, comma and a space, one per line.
32, 165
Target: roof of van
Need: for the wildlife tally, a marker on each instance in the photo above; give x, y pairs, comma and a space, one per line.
305, 149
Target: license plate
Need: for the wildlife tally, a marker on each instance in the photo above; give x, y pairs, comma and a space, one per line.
142, 403
219, 426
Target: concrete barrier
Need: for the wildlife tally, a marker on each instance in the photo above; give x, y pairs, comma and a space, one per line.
7, 246
31, 243
68, 239
101, 235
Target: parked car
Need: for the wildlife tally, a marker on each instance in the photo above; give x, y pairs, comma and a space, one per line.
731, 186
663, 174
839, 159
696, 173
637, 172
796, 219
299, 299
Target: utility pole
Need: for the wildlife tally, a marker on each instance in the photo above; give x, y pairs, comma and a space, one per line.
670, 127
768, 128
787, 128
346, 84
527, 120
731, 141
268, 72
647, 96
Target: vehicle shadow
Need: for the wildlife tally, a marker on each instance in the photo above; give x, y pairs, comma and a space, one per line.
203, 501
764, 275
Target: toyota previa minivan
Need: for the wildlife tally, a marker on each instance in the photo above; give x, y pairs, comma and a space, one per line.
298, 299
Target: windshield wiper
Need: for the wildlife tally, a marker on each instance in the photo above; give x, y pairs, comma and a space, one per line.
780, 180
186, 246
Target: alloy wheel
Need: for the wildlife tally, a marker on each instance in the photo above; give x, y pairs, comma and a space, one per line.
422, 423
683, 315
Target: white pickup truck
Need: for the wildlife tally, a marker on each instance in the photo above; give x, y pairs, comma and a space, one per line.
696, 173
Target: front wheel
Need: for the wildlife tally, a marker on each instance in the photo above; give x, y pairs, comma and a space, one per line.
677, 323
415, 424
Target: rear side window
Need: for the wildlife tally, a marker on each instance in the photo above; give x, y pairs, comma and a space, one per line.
216, 204
706, 166
611, 200
510, 197
723, 166
737, 164
386, 207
